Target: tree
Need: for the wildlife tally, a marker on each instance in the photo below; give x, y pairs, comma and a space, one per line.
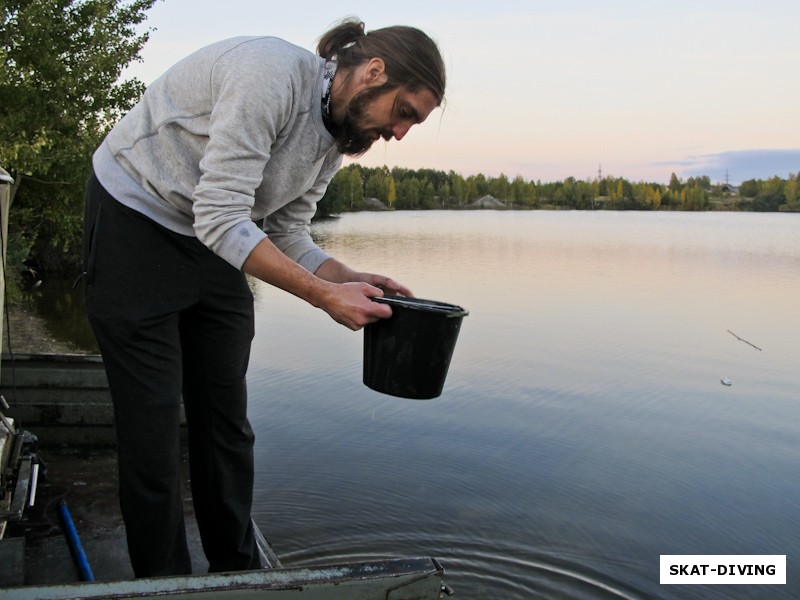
566, 195
427, 195
703, 181
332, 202
531, 194
646, 196
749, 188
481, 184
391, 192
375, 187
518, 191
458, 187
675, 185
472, 190
499, 187
694, 198
355, 188
584, 195
444, 194
60, 92
792, 193
768, 201
616, 190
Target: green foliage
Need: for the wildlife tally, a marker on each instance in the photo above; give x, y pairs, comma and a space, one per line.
749, 188
499, 187
59, 94
332, 202
675, 185
409, 193
768, 201
792, 193
694, 198
426, 189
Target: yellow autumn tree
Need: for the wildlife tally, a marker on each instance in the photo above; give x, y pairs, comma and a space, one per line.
391, 192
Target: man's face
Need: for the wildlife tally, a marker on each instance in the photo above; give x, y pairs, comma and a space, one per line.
375, 113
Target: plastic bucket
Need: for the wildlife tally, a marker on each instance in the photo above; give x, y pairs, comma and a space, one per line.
409, 353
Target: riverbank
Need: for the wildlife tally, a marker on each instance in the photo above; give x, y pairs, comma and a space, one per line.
29, 334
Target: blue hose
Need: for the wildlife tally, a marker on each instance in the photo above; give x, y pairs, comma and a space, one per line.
74, 542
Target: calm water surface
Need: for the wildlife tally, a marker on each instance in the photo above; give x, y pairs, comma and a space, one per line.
583, 430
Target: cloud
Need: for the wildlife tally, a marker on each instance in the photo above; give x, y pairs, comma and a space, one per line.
740, 165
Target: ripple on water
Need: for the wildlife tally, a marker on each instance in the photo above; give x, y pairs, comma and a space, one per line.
480, 570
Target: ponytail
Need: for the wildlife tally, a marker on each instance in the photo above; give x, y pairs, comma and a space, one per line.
344, 34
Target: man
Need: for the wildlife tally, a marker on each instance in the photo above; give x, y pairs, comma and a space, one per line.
249, 129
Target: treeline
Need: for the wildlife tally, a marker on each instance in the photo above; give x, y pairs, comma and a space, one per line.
356, 188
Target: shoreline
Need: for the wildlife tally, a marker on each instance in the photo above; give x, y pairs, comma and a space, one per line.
29, 334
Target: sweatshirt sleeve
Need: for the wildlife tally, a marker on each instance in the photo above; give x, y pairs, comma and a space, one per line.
252, 100
288, 228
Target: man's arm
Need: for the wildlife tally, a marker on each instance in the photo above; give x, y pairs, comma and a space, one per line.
338, 290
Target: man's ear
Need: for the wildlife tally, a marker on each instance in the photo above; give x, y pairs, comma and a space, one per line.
375, 72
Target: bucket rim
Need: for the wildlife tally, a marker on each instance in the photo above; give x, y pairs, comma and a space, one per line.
421, 304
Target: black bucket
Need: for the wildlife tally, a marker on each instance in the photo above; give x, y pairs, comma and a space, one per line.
409, 353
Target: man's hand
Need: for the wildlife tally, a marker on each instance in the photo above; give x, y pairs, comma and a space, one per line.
335, 288
388, 285
351, 304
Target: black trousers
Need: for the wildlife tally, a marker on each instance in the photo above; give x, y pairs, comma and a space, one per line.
173, 320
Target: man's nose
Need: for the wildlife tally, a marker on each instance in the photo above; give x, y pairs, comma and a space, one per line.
400, 130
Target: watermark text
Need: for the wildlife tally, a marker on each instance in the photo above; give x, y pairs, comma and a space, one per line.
704, 569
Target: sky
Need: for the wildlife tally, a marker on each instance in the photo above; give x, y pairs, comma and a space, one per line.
549, 89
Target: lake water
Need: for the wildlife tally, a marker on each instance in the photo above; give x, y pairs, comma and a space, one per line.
583, 430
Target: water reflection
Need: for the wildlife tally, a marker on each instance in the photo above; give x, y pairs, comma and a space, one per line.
60, 303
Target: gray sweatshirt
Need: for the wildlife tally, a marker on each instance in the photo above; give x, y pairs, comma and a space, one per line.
230, 135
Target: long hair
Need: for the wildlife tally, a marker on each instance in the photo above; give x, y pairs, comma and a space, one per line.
412, 59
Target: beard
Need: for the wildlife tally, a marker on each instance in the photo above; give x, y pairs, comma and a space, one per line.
350, 135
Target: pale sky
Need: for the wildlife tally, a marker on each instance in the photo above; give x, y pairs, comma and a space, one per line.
548, 89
